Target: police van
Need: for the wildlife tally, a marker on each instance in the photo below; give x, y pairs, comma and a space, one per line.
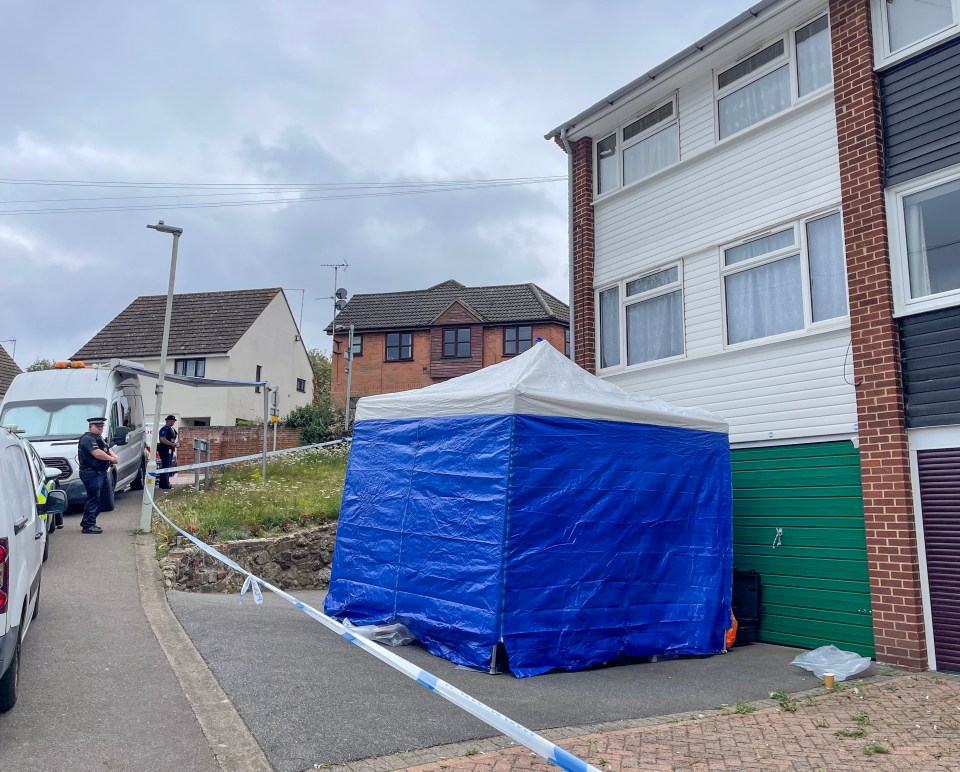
22, 543
52, 407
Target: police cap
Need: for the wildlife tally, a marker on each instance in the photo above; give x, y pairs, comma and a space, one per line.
101, 420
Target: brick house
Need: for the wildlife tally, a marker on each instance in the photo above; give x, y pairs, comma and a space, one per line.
746, 220
406, 340
8, 371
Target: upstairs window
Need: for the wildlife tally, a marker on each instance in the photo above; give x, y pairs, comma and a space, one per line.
456, 343
925, 241
516, 340
647, 143
301, 384
902, 27
191, 367
399, 346
357, 345
650, 322
770, 80
786, 280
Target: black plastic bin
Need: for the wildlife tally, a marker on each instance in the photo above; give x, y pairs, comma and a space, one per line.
746, 605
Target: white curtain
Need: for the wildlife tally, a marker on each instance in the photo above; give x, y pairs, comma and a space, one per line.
763, 301
655, 328
762, 98
651, 154
762, 246
814, 65
828, 278
917, 263
610, 327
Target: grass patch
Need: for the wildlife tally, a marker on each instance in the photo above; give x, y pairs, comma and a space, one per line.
787, 703
302, 489
743, 707
871, 748
862, 719
857, 733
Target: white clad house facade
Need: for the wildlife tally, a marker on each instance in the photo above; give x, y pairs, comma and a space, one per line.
240, 335
708, 269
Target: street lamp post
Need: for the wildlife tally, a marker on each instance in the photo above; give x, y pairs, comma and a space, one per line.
151, 479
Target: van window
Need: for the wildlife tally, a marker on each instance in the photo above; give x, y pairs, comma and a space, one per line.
16, 479
121, 414
52, 418
136, 407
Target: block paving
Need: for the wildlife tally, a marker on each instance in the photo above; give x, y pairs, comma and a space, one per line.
903, 723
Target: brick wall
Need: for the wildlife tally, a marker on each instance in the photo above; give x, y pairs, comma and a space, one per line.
233, 441
372, 375
891, 538
584, 256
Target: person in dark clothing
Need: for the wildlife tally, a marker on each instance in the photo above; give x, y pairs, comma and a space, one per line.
95, 459
166, 447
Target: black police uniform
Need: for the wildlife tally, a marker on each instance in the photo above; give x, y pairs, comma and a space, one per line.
166, 454
93, 474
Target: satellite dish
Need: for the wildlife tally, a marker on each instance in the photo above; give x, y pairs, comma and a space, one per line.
340, 305
340, 294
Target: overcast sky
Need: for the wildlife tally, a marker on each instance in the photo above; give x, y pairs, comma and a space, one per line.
237, 91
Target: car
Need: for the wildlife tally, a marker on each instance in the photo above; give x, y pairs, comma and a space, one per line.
23, 534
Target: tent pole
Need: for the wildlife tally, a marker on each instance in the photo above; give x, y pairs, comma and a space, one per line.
493, 660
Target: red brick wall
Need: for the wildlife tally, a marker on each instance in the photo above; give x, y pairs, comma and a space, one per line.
233, 441
584, 256
372, 375
891, 539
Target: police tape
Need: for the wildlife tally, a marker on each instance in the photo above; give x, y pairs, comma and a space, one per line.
536, 743
241, 459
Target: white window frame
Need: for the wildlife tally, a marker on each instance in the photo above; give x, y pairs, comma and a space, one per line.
799, 247
788, 57
882, 53
903, 304
673, 122
622, 316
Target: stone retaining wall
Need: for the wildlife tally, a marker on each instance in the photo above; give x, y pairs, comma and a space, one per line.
296, 561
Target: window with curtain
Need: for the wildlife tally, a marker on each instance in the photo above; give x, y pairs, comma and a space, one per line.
192, 367
761, 85
652, 314
456, 343
786, 280
932, 228
357, 345
642, 147
610, 327
909, 22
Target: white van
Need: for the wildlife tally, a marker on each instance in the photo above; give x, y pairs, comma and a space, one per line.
52, 407
22, 541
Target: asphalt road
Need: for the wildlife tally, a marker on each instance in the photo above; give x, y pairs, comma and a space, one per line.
96, 691
309, 697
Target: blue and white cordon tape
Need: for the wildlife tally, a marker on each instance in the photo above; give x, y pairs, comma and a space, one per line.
539, 745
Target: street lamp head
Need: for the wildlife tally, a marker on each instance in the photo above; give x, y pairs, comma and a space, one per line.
161, 228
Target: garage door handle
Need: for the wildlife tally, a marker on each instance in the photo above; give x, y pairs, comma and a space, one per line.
19, 525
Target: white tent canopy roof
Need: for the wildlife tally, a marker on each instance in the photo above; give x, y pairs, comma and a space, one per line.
542, 382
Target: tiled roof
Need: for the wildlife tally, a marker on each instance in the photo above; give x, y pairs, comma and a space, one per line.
201, 323
500, 304
8, 370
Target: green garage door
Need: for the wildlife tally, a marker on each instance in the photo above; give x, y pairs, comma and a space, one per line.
798, 522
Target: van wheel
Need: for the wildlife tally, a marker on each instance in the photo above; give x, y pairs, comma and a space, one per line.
11, 679
140, 479
106, 495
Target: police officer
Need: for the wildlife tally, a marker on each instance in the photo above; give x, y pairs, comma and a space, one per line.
166, 447
95, 459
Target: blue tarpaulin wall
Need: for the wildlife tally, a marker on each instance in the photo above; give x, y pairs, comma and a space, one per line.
572, 541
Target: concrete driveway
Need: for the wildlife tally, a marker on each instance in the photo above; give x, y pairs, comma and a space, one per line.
310, 698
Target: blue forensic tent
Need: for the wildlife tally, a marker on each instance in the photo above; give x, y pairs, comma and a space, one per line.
533, 504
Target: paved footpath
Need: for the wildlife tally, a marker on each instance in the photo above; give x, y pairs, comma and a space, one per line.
97, 691
902, 723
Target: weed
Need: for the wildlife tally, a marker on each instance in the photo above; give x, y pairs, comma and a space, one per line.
862, 719
851, 733
471, 752
787, 703
603, 762
871, 748
820, 723
859, 689
743, 707
887, 671
938, 680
